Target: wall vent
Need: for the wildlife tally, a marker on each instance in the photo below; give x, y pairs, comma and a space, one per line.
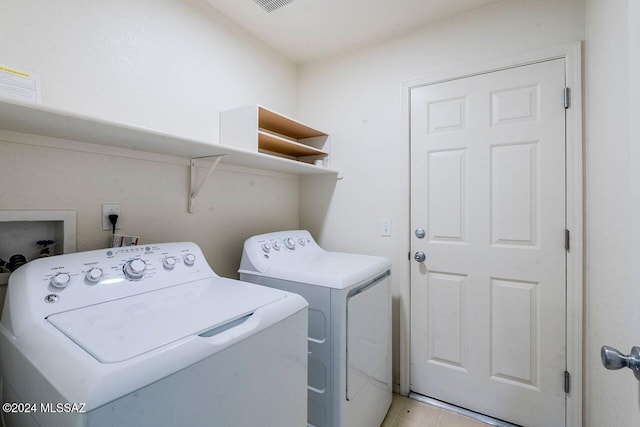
271, 5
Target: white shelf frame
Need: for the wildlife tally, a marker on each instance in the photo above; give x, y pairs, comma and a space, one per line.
41, 120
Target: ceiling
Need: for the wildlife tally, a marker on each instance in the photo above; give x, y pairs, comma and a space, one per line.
307, 30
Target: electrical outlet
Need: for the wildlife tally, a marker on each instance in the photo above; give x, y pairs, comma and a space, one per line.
109, 209
385, 227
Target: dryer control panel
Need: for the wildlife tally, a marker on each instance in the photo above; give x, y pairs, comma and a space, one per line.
279, 248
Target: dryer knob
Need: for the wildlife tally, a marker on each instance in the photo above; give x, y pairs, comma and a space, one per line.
290, 243
276, 246
94, 275
135, 269
189, 259
302, 241
169, 262
61, 280
266, 247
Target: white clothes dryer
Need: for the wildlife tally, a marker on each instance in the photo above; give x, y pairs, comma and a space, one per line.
149, 336
349, 299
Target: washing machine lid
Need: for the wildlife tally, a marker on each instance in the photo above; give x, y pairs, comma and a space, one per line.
122, 329
336, 270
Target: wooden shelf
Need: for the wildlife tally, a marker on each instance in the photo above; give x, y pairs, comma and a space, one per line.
36, 119
278, 123
276, 144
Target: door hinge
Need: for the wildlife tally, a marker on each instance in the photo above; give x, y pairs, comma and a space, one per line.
567, 240
567, 97
567, 382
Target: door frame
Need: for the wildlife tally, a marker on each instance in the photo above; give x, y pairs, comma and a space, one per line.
572, 54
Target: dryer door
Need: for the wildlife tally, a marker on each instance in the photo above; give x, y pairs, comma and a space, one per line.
368, 335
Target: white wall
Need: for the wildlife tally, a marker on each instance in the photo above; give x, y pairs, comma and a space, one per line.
171, 65
358, 100
153, 197
612, 82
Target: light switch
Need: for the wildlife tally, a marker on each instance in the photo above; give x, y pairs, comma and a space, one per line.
385, 227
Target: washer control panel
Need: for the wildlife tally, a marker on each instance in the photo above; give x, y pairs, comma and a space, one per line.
69, 281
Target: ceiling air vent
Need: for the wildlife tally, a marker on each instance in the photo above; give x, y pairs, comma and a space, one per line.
271, 5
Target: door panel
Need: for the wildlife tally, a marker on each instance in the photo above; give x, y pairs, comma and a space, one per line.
514, 320
488, 186
514, 200
445, 319
446, 196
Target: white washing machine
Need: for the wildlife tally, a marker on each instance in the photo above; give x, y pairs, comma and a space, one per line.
349, 323
149, 336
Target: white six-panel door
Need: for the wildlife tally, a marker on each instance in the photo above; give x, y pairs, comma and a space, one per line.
488, 188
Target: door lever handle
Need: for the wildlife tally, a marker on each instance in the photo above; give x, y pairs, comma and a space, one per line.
614, 359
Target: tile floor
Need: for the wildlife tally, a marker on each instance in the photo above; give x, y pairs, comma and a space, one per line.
405, 412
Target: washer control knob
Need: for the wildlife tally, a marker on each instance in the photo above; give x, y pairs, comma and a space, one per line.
277, 246
94, 275
135, 268
290, 243
60, 280
169, 262
266, 247
51, 298
302, 241
189, 259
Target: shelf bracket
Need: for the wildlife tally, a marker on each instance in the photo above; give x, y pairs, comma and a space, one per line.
195, 186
